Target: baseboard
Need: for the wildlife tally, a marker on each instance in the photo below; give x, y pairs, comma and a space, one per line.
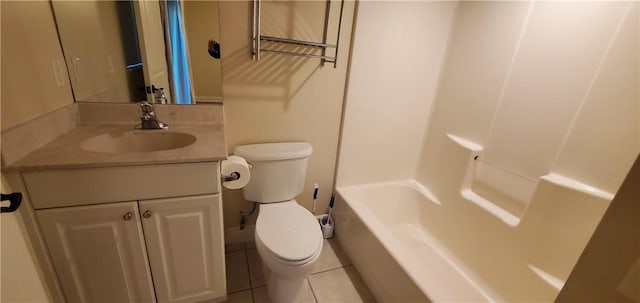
237, 235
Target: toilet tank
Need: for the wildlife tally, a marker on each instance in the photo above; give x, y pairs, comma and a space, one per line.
277, 170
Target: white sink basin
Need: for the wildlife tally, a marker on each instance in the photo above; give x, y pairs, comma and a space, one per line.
136, 141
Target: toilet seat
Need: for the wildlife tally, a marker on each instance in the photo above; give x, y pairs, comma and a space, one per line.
288, 231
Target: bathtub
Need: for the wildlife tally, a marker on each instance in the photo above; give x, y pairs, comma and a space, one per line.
410, 247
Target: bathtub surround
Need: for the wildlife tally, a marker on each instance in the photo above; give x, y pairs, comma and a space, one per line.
394, 72
512, 146
452, 234
602, 99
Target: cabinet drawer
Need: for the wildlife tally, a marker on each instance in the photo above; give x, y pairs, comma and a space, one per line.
67, 187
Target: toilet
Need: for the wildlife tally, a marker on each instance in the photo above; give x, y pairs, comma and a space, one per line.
287, 235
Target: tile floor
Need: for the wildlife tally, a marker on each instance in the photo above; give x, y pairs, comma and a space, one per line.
333, 280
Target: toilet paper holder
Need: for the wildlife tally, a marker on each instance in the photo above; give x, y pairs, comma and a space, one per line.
231, 177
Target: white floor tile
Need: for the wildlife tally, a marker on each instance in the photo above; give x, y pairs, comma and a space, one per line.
331, 282
260, 294
231, 247
342, 285
240, 297
237, 272
332, 257
255, 268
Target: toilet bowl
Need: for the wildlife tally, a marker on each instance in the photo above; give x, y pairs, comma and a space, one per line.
289, 242
288, 237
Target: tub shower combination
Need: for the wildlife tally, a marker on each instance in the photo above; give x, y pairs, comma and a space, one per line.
412, 245
481, 147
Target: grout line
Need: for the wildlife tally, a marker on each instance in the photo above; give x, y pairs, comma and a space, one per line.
246, 255
248, 273
246, 258
253, 299
237, 291
313, 293
320, 272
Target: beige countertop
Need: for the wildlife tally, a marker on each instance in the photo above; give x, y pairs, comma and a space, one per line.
66, 151
55, 140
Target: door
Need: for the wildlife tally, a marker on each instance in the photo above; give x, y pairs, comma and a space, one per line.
186, 247
98, 252
152, 46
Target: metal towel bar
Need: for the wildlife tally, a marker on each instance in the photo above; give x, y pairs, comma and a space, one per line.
257, 37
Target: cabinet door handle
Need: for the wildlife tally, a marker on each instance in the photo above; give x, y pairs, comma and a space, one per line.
147, 214
128, 216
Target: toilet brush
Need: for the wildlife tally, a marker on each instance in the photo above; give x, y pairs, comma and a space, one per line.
329, 218
315, 196
326, 223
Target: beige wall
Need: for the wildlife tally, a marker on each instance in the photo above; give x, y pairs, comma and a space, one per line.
281, 98
28, 48
28, 90
201, 24
20, 280
398, 50
93, 40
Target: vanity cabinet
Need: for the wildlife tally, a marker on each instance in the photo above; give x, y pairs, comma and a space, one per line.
183, 243
148, 249
98, 252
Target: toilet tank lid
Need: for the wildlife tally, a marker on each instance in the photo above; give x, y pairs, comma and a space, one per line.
273, 151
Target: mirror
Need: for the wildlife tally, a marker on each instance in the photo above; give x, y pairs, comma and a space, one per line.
116, 51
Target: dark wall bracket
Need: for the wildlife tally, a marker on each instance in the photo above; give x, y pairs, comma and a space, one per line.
14, 202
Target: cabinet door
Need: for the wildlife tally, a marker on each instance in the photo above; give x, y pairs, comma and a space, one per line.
186, 247
98, 252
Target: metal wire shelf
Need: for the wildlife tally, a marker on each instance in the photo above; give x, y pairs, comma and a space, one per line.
257, 38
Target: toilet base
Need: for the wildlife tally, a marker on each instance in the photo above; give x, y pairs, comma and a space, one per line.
285, 290
285, 279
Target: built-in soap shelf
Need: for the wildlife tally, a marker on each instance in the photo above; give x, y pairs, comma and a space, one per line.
577, 186
504, 202
467, 191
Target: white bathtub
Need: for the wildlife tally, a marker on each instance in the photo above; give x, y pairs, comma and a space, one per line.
411, 248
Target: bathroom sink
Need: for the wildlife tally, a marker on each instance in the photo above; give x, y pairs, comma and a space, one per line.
135, 141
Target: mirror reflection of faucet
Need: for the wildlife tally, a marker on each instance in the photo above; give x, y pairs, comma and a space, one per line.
148, 118
158, 94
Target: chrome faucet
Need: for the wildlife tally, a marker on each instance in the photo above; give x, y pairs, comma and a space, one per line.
148, 119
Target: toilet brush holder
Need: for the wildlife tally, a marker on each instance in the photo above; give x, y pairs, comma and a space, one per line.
326, 225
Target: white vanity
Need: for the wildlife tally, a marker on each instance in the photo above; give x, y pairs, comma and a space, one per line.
126, 227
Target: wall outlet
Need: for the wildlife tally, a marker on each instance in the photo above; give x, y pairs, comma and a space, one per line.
59, 73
